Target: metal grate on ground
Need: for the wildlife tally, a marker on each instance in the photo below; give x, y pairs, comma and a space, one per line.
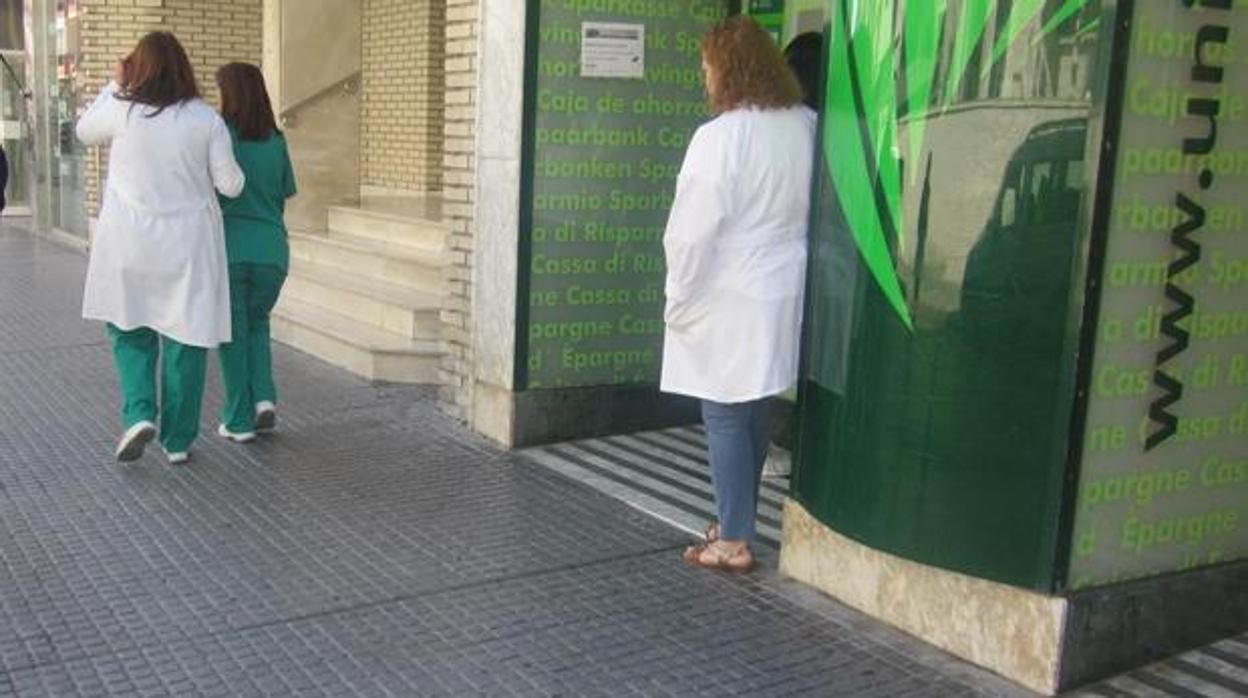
1217, 671
665, 474
662, 473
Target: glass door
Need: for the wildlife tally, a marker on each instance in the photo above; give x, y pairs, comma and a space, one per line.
14, 134
69, 174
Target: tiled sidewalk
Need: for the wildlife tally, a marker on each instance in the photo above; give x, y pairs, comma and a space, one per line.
371, 547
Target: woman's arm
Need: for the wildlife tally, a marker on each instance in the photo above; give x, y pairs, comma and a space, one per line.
703, 202
227, 176
100, 123
289, 188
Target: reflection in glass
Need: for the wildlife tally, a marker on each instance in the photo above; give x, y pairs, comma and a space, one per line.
944, 441
1017, 274
11, 38
13, 132
69, 176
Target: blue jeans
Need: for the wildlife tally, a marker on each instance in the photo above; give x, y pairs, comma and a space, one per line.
739, 435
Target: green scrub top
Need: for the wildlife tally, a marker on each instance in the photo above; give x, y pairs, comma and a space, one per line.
255, 226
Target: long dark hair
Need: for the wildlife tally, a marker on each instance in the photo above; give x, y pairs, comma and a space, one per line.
158, 73
245, 102
805, 57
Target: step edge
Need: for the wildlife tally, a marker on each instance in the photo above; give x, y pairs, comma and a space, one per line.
421, 347
415, 254
408, 298
392, 217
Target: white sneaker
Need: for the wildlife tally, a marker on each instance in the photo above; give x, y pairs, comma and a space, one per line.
237, 437
266, 416
176, 457
134, 441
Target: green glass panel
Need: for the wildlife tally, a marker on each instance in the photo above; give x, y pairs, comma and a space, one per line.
603, 165
769, 14
973, 19
923, 24
1024, 11
936, 427
869, 29
1065, 12
851, 131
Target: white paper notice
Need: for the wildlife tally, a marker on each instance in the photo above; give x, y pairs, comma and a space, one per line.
610, 50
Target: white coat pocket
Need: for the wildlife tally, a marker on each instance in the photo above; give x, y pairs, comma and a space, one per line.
682, 315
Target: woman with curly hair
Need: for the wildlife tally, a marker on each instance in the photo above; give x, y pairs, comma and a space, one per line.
736, 263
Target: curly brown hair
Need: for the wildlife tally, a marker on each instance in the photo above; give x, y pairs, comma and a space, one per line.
748, 68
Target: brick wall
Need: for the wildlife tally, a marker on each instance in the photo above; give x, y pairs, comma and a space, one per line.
458, 176
401, 124
216, 32
109, 31
213, 31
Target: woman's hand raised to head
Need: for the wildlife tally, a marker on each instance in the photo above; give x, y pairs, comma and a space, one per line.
119, 71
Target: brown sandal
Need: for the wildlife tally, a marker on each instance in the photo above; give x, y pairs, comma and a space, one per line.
711, 534
713, 556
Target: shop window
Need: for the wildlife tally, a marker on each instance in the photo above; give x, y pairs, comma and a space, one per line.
11, 37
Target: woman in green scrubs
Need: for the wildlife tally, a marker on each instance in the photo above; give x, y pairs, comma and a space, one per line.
259, 255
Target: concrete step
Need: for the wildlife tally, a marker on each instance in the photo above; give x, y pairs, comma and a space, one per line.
391, 307
414, 268
386, 227
358, 347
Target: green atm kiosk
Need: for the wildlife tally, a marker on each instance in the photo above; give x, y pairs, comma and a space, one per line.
1022, 425
769, 14
786, 19
1023, 430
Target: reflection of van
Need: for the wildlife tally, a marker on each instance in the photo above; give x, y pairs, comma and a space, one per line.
1017, 281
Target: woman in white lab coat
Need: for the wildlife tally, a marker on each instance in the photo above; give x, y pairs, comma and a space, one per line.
157, 273
736, 264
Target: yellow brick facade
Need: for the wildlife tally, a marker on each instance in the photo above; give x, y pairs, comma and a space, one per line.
418, 112
214, 32
458, 187
401, 119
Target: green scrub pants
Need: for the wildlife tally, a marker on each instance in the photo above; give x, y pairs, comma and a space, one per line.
181, 383
247, 362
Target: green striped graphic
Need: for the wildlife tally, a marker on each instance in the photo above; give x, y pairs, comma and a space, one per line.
862, 111
971, 24
923, 23
1024, 11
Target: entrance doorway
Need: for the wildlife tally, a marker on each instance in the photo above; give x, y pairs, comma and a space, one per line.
13, 132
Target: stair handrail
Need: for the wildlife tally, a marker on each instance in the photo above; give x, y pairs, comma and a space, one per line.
348, 84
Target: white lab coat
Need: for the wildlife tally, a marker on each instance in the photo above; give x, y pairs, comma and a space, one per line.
158, 256
736, 256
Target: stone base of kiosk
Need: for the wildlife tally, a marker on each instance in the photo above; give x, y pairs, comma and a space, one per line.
1047, 643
